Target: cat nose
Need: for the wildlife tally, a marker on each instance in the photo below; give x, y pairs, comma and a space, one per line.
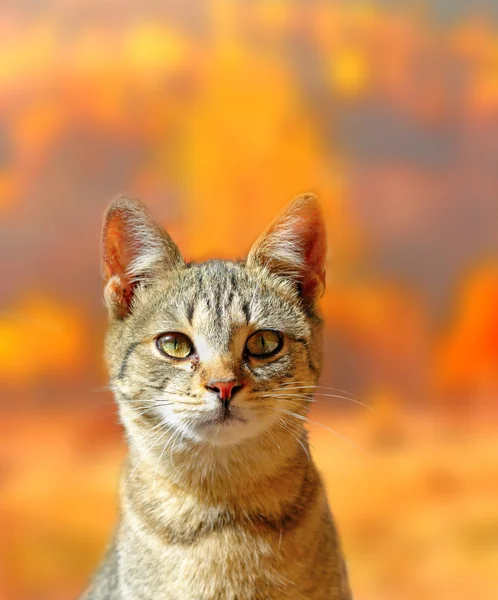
224, 389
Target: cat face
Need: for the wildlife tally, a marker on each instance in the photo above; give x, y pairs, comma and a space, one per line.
217, 351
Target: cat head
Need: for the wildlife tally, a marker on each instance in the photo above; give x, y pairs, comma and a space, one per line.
217, 352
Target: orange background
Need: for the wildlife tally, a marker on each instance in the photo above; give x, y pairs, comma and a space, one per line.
215, 114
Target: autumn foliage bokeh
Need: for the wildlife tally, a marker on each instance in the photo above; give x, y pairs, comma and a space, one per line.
215, 114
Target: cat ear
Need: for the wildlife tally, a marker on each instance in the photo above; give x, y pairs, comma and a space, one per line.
295, 246
134, 249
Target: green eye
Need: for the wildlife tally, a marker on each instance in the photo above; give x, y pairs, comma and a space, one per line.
264, 343
176, 345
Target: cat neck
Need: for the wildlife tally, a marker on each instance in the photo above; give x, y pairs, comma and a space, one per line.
219, 474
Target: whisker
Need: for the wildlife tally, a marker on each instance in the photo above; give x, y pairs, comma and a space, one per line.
101, 390
160, 457
343, 438
312, 388
300, 405
283, 425
164, 426
325, 387
84, 409
310, 398
275, 438
299, 428
159, 426
175, 440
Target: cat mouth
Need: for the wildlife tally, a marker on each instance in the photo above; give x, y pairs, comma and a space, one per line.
227, 417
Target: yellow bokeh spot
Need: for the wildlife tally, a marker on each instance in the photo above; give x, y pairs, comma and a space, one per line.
39, 337
150, 49
349, 72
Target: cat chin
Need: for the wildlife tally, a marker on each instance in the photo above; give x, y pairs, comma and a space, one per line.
213, 429
225, 433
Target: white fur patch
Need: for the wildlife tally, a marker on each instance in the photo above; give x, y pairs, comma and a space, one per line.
204, 349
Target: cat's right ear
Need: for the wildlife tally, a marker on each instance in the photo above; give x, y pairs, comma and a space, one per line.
134, 250
294, 246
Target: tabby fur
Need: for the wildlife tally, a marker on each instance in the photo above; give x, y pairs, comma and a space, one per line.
229, 510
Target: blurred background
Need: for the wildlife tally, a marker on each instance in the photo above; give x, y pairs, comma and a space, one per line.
216, 114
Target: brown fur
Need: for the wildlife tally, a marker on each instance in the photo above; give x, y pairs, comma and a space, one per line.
214, 509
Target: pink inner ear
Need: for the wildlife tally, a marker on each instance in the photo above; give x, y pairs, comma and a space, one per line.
115, 258
295, 246
315, 255
309, 227
316, 244
134, 248
114, 247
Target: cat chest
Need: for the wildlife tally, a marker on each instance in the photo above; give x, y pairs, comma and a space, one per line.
223, 563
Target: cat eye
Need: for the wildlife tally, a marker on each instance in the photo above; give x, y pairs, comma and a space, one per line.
264, 343
176, 345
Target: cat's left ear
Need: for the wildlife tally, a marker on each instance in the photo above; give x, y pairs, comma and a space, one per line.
295, 246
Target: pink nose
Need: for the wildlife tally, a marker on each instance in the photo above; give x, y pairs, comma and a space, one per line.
224, 389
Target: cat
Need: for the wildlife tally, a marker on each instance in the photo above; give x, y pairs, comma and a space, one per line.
213, 366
